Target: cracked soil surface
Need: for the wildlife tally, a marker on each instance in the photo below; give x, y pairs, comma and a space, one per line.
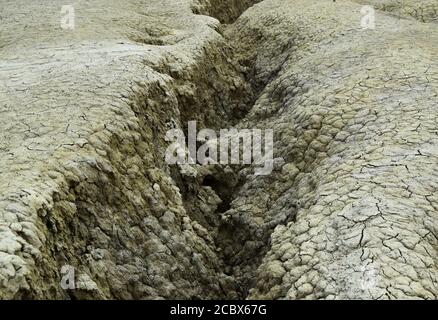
349, 212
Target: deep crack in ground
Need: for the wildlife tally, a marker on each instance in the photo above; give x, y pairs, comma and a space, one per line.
349, 210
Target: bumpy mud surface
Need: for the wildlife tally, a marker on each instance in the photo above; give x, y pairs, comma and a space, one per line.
421, 10
355, 118
350, 210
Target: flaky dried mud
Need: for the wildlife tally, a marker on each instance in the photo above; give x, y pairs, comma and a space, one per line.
350, 210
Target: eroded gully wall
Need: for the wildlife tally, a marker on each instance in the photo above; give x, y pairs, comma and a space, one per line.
347, 213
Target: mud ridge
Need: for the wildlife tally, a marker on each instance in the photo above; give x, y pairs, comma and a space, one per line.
87, 197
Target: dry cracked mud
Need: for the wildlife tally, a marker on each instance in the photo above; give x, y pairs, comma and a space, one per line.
349, 211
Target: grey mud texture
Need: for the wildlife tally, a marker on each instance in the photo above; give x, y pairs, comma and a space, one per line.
349, 212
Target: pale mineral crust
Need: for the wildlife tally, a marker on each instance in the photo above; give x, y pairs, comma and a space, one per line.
349, 211
83, 181
355, 114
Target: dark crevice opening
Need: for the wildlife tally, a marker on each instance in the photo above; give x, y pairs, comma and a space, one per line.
227, 12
